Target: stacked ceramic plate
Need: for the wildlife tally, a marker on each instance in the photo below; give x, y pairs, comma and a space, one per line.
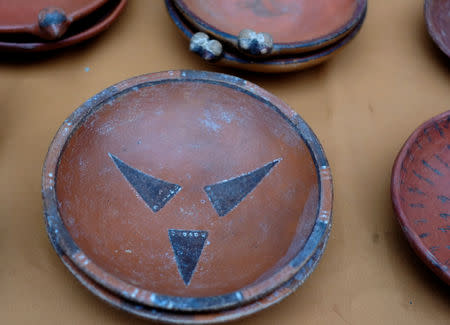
266, 35
42, 25
187, 197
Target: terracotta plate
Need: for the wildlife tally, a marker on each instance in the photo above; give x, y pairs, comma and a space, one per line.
79, 31
421, 193
295, 26
437, 16
187, 191
32, 17
271, 65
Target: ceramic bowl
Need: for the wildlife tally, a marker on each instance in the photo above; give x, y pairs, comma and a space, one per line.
43, 18
295, 26
420, 190
185, 191
81, 30
437, 17
268, 65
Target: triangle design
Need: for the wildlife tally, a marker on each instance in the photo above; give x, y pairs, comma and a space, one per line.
155, 192
226, 195
187, 246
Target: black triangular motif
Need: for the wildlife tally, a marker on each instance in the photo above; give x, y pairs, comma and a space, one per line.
155, 192
187, 246
226, 195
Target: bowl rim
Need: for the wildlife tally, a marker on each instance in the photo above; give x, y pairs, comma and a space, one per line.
413, 238
60, 235
278, 48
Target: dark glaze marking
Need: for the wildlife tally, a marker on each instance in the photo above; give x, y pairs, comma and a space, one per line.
227, 194
155, 192
187, 246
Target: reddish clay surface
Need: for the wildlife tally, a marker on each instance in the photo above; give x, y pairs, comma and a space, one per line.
21, 16
192, 134
269, 65
288, 21
83, 29
437, 15
198, 318
421, 192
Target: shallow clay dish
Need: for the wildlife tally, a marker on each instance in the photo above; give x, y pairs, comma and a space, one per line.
79, 31
187, 191
421, 193
295, 26
437, 16
43, 18
269, 65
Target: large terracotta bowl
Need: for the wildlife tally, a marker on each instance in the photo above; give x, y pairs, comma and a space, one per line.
187, 191
421, 193
437, 17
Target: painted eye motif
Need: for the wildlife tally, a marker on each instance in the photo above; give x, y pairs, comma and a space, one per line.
227, 194
155, 192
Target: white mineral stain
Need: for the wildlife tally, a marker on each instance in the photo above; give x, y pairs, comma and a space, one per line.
210, 124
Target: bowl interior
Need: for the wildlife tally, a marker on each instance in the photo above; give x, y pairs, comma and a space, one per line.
187, 188
424, 191
288, 21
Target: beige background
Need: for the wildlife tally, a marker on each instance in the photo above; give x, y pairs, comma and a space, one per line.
363, 104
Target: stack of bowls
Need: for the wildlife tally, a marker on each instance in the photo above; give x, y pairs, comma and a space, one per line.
187, 197
43, 25
265, 35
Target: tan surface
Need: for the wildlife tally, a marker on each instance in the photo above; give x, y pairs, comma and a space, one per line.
363, 104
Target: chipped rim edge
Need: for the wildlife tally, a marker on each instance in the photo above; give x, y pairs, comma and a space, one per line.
414, 240
431, 30
275, 64
278, 48
59, 234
